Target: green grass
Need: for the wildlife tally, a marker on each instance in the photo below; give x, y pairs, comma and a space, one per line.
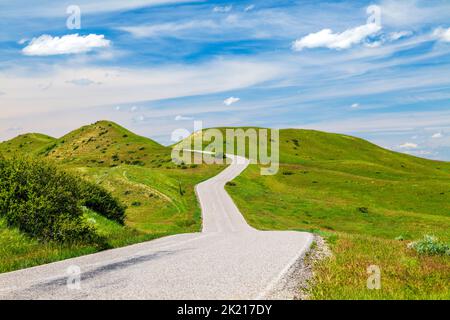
364, 196
159, 194
360, 197
26, 144
404, 273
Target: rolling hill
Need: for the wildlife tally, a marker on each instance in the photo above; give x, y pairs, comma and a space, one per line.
367, 201
158, 193
29, 143
107, 144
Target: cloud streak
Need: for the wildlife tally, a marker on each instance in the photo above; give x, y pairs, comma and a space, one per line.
344, 40
47, 45
126, 85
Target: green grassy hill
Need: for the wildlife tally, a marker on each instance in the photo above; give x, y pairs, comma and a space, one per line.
158, 193
29, 143
107, 144
368, 201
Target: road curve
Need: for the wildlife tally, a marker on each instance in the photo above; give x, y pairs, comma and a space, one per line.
227, 260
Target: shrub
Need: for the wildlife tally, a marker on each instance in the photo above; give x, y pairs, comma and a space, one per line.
40, 201
430, 245
363, 209
46, 203
101, 201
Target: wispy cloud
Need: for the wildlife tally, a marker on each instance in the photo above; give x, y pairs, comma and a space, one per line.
183, 118
442, 34
47, 45
167, 29
249, 8
129, 85
231, 100
83, 82
223, 9
393, 36
344, 40
408, 145
50, 8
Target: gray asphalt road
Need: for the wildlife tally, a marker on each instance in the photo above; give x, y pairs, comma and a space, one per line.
227, 260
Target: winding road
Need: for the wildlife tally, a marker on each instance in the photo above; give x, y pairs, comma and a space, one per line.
227, 260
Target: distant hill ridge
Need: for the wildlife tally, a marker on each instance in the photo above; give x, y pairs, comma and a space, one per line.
109, 144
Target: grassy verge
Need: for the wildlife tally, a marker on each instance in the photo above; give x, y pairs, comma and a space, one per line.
404, 273
361, 217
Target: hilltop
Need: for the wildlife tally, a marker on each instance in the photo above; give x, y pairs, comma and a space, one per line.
28, 143
108, 144
103, 143
159, 194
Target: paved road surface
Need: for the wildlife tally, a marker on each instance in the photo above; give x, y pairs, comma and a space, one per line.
227, 260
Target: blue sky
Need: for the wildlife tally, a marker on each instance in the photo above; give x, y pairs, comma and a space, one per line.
379, 72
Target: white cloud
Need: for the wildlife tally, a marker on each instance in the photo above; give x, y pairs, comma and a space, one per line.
249, 8
442, 34
393, 36
409, 13
171, 29
51, 8
127, 86
437, 135
408, 145
117, 108
355, 105
344, 40
14, 129
47, 45
182, 118
229, 101
45, 86
133, 109
375, 44
83, 82
22, 41
420, 152
223, 9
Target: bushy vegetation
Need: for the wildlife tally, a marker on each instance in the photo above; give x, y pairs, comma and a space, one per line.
45, 202
430, 245
101, 201
155, 207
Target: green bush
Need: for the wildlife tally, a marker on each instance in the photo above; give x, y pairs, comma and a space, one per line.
40, 201
430, 245
101, 201
46, 203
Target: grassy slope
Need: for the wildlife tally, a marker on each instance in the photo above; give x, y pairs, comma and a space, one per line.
324, 180
28, 143
106, 144
150, 189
